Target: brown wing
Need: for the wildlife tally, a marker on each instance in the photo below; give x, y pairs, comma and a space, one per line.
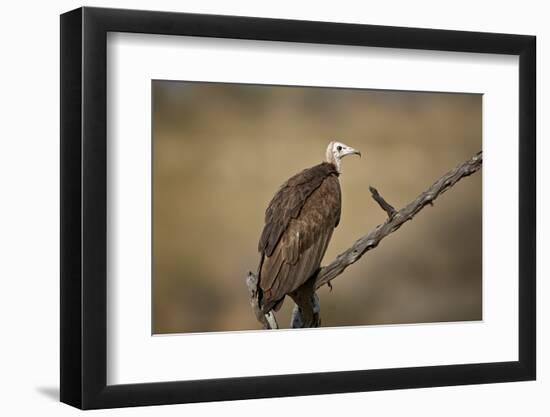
302, 245
287, 203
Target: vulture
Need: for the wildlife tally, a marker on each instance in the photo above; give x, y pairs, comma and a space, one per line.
299, 222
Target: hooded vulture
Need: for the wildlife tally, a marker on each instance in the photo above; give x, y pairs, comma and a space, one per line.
299, 222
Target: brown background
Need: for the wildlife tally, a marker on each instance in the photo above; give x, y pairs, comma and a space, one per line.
222, 150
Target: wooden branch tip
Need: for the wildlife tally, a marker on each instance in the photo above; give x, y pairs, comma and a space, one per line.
388, 208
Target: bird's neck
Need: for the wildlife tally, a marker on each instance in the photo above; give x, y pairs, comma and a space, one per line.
334, 161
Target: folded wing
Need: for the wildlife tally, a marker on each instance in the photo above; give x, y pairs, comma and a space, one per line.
300, 220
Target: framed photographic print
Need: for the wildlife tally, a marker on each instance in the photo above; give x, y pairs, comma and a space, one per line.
257, 208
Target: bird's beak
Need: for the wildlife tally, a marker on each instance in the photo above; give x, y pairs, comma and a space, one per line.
351, 151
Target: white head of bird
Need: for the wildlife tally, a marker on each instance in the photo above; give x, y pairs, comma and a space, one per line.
337, 150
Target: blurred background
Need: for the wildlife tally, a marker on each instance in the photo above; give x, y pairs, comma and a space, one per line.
222, 150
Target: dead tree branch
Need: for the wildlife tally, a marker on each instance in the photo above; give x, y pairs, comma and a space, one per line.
395, 219
390, 211
367, 242
268, 320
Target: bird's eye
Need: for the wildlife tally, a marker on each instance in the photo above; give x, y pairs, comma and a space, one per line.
338, 148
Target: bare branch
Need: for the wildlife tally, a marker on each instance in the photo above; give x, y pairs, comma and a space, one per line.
382, 203
395, 219
268, 320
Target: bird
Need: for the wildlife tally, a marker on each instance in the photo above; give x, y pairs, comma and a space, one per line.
299, 222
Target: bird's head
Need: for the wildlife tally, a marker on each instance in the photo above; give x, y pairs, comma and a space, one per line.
337, 150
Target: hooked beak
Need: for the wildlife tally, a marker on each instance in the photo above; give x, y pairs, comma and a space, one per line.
351, 151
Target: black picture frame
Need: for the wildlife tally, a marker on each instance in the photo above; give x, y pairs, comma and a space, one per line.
84, 207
